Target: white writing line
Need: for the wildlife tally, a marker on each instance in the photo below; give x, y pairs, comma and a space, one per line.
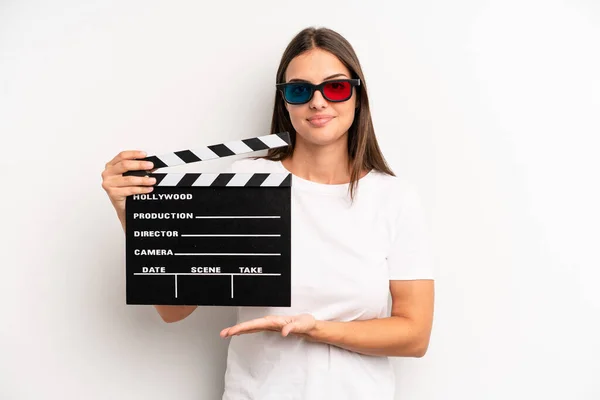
236, 216
175, 285
227, 254
198, 273
230, 235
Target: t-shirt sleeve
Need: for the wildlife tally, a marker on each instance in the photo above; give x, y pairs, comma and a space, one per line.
410, 256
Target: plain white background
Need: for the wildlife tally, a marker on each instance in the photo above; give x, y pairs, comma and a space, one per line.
489, 107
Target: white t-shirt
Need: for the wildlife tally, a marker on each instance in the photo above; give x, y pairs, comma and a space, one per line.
343, 257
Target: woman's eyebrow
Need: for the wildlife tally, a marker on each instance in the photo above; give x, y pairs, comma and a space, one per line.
329, 77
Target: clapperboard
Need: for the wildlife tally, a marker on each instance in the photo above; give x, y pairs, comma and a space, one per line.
218, 239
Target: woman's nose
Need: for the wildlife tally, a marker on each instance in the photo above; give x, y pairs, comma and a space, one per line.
317, 101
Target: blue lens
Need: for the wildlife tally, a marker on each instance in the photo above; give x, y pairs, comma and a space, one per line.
298, 93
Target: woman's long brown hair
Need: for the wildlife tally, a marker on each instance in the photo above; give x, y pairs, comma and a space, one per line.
363, 149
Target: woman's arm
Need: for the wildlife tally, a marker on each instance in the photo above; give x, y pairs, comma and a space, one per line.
405, 334
174, 313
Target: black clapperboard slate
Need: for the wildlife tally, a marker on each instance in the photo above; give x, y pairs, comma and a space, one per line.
220, 239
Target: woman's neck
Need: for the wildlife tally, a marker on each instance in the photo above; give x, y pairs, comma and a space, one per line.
322, 164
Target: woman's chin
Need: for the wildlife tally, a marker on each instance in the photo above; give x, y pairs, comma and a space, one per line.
321, 137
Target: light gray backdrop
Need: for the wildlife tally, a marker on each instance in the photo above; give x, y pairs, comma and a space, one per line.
490, 107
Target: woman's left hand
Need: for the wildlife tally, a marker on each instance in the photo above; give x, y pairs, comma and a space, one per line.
301, 325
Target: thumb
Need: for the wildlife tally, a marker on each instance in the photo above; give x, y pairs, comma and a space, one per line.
287, 328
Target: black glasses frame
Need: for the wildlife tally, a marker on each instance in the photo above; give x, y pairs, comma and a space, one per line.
353, 83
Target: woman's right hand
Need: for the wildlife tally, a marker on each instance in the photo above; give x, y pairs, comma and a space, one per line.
117, 186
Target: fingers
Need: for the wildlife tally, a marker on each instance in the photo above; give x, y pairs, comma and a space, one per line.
298, 325
126, 155
124, 181
249, 326
256, 325
226, 332
117, 186
121, 193
285, 325
117, 182
130, 165
114, 169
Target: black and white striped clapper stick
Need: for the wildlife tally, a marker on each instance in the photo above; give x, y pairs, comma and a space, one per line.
211, 238
232, 148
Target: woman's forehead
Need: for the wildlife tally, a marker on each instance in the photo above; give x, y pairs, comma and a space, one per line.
315, 66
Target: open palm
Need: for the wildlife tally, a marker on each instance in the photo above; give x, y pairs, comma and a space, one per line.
286, 324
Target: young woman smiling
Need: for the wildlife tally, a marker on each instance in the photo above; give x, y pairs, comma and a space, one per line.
359, 235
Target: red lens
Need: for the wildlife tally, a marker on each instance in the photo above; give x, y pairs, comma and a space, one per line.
336, 91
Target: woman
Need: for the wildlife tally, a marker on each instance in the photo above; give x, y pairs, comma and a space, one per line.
359, 234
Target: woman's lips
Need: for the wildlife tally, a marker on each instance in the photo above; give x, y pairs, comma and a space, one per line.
319, 121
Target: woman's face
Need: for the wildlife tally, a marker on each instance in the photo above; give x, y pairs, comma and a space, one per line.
319, 121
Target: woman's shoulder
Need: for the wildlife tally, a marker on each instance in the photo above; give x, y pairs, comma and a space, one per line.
395, 185
392, 192
255, 165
